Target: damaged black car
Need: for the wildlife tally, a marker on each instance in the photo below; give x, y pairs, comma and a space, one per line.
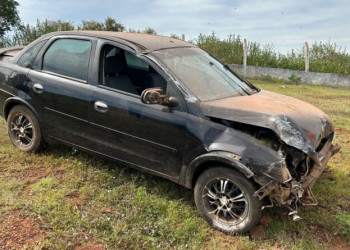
166, 107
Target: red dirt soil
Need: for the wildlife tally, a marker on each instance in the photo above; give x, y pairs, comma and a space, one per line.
19, 231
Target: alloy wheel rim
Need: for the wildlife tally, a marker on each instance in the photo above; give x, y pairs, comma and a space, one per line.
22, 130
225, 201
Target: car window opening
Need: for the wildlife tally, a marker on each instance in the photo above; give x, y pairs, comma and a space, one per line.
124, 71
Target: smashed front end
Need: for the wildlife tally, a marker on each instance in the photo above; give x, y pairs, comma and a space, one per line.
303, 170
285, 173
295, 144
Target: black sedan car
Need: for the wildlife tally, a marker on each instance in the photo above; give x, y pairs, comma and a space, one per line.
167, 107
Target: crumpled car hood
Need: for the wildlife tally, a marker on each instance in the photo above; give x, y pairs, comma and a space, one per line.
297, 123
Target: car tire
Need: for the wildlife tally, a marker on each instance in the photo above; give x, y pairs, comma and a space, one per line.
24, 130
225, 198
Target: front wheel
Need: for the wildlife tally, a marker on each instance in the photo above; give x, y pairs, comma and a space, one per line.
225, 199
23, 129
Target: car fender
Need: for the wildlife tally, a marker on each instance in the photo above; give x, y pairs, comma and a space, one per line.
252, 154
14, 101
222, 157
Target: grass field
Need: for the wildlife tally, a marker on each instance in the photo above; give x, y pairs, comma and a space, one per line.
58, 200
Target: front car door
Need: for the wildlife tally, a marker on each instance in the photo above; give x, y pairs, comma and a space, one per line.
122, 127
60, 91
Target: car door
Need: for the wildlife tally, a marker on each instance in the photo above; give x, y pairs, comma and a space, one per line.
147, 136
60, 91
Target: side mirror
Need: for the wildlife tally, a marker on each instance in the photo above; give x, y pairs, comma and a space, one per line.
156, 96
152, 96
170, 102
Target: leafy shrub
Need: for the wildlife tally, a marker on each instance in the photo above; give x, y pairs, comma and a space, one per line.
324, 57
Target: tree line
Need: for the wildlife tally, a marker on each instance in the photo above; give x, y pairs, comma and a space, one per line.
13, 32
326, 57
25, 34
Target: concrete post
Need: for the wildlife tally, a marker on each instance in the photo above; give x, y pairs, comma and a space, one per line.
183, 37
306, 56
245, 52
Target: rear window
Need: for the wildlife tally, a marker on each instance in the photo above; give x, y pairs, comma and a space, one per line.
28, 57
68, 57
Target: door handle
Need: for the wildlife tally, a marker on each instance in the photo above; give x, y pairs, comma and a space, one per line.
101, 106
38, 88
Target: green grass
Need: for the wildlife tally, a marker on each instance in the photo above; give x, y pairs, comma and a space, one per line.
85, 200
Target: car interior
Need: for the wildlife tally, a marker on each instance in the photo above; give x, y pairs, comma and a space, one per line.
124, 71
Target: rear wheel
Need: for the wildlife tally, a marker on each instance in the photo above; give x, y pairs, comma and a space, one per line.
23, 129
225, 199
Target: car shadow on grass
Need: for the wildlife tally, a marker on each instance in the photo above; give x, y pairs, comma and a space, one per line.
153, 184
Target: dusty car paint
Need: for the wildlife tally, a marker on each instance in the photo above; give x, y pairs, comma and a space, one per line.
7, 54
281, 143
297, 123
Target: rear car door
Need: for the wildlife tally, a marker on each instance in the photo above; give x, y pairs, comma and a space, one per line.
146, 136
60, 91
13, 77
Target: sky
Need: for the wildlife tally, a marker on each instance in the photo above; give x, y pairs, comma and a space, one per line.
285, 24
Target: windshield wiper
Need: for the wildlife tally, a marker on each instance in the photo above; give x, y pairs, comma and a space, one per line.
248, 83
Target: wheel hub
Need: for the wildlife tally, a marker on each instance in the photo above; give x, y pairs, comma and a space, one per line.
22, 130
223, 200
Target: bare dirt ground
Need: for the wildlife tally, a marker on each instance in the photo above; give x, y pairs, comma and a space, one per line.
20, 231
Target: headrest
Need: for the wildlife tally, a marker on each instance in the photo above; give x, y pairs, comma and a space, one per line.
113, 65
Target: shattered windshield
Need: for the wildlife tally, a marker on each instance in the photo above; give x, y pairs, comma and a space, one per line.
202, 74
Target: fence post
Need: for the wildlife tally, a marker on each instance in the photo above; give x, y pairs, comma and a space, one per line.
183, 37
306, 56
245, 51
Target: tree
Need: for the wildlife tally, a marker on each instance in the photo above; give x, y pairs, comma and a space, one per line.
8, 16
174, 36
149, 31
112, 25
28, 33
130, 30
91, 25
